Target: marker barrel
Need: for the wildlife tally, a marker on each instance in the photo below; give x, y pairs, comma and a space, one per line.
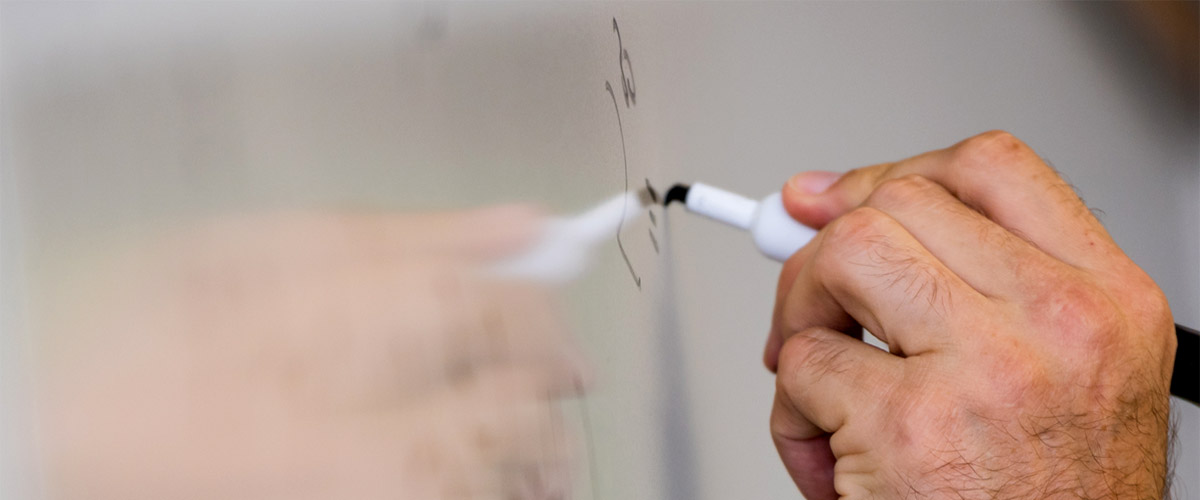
722, 205
776, 234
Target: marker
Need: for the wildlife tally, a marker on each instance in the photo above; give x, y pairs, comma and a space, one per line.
775, 232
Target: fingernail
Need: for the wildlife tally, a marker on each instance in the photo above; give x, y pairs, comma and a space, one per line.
814, 182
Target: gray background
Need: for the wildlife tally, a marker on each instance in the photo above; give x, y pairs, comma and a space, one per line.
118, 120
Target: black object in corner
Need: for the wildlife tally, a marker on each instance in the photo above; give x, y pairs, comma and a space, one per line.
1185, 381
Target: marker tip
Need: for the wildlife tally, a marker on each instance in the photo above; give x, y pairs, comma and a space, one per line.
678, 193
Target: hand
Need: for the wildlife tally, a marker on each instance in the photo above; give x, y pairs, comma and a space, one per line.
308, 356
1029, 357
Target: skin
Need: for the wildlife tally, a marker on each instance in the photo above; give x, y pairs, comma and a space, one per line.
1028, 357
307, 355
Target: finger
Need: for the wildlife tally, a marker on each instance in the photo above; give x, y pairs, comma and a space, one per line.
868, 269
802, 198
825, 379
986, 256
810, 463
791, 268
826, 382
787, 276
993, 173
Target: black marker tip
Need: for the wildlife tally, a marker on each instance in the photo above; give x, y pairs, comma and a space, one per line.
678, 193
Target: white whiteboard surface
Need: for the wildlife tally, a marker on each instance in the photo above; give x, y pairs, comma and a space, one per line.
228, 106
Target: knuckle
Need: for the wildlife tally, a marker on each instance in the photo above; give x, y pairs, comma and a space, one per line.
857, 227
850, 237
903, 191
1149, 305
815, 352
1080, 314
990, 153
1150, 313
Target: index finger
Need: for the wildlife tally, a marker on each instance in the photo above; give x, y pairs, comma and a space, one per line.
995, 174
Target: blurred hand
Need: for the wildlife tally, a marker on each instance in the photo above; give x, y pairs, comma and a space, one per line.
310, 356
1030, 358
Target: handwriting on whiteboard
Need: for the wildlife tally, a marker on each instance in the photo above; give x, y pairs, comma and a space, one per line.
629, 93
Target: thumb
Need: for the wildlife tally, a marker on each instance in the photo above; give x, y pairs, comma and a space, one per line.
803, 198
815, 198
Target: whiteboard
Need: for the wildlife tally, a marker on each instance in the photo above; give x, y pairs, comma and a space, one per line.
177, 111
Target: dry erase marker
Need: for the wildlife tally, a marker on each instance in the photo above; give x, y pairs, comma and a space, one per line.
775, 232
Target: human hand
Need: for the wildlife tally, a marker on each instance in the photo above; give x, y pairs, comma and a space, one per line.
1029, 357
308, 355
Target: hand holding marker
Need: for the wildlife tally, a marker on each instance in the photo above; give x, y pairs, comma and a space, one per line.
561, 254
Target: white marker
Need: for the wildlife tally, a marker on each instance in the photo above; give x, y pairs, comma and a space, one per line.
564, 249
775, 232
